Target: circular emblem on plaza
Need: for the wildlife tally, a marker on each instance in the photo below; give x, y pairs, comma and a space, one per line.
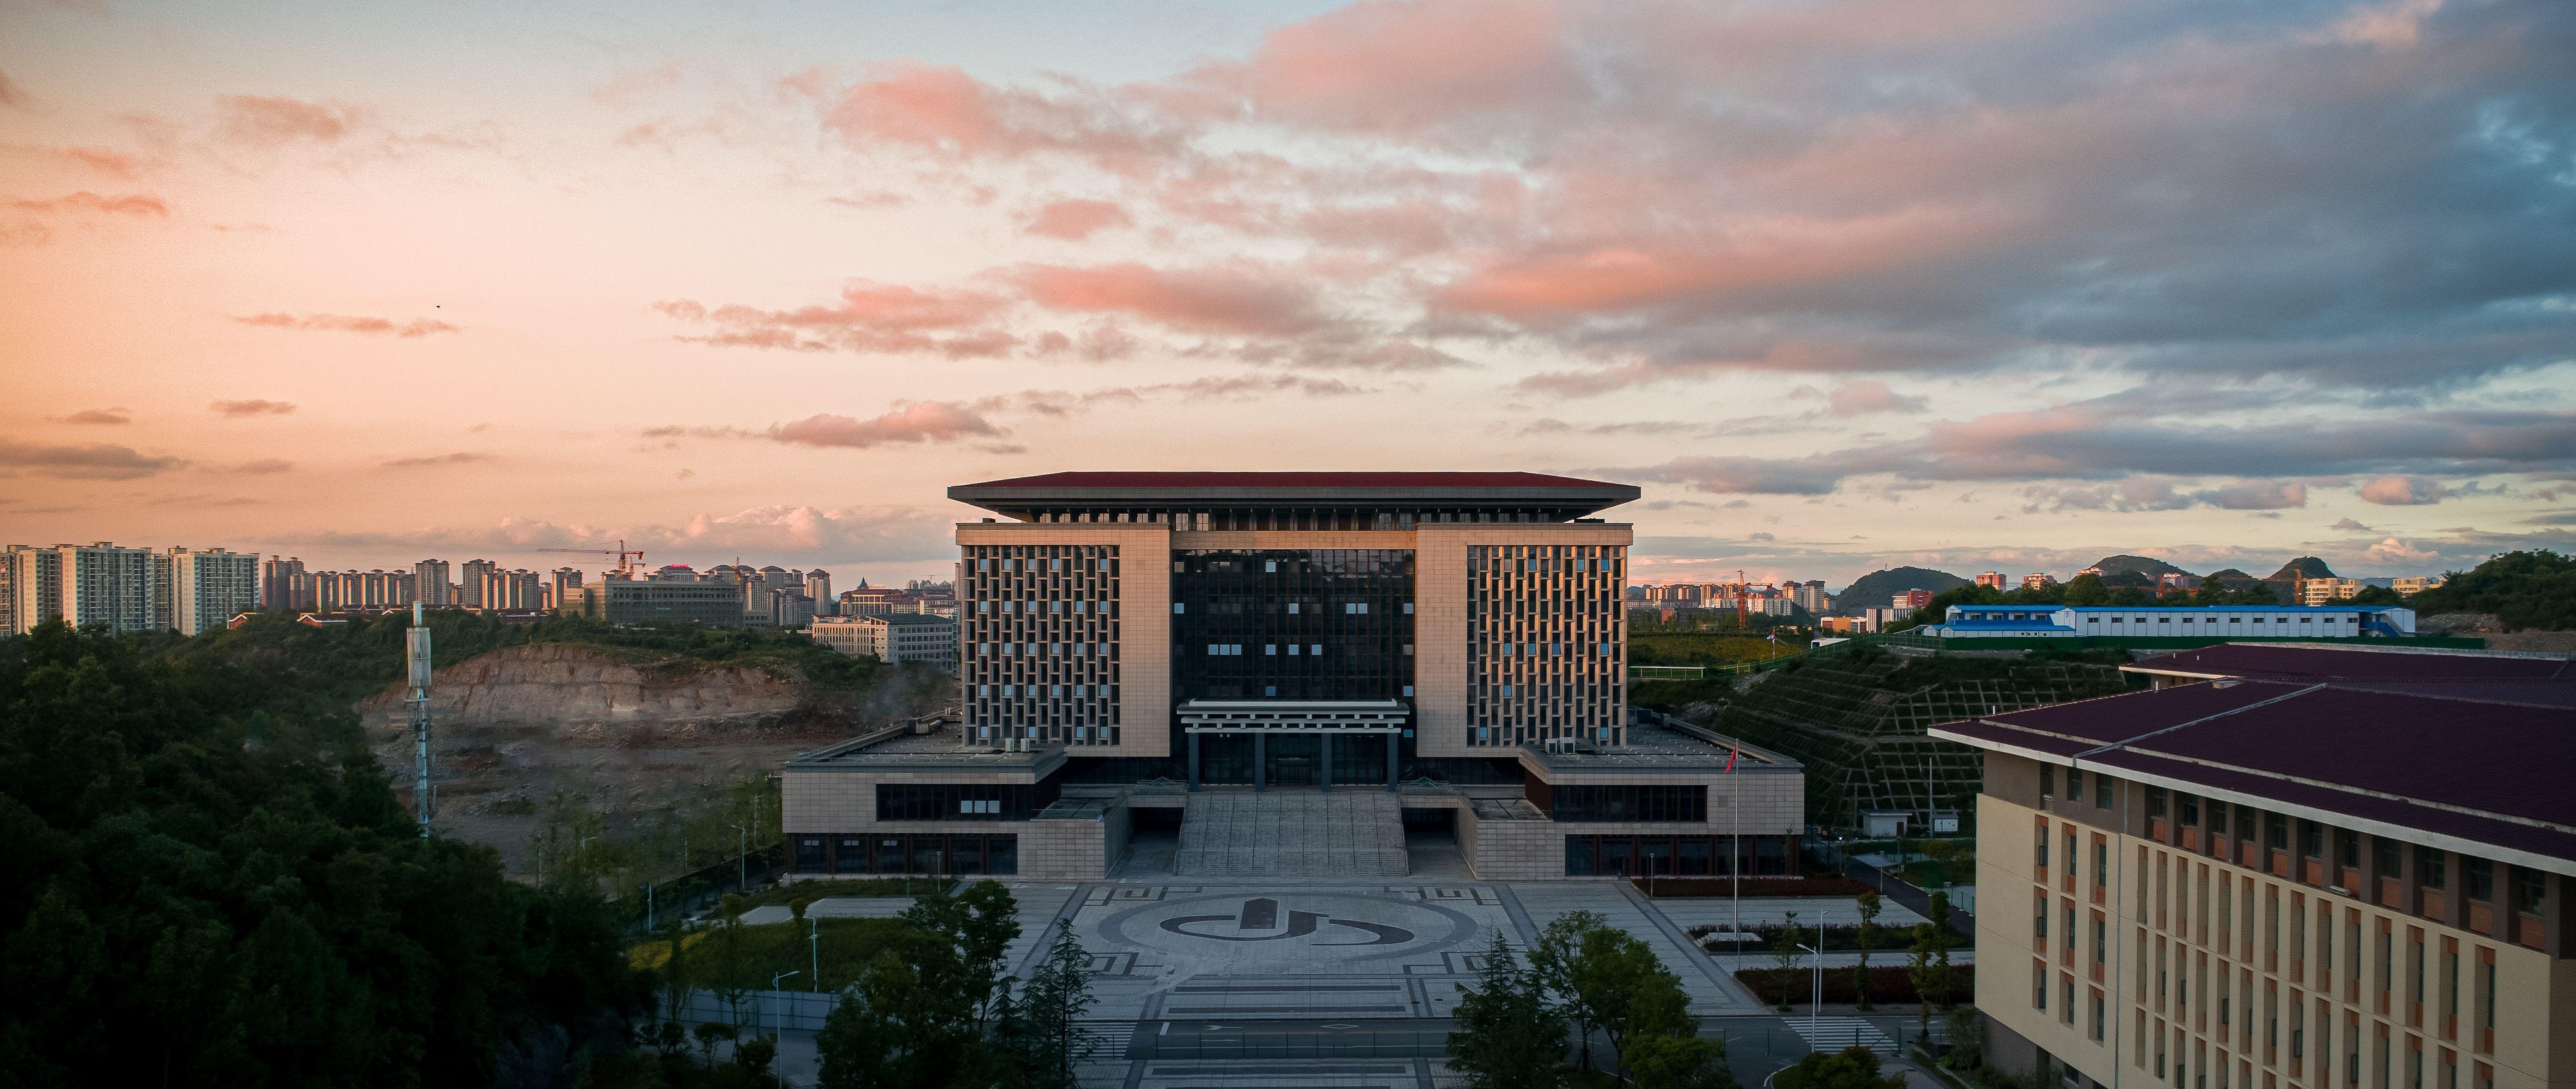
1264, 925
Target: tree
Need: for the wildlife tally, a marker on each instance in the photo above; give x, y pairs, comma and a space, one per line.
709, 1033
1928, 961
1679, 1062
1967, 1040
2085, 590
1626, 989
212, 850
1055, 998
1507, 1035
1851, 1068
2525, 590
1784, 945
979, 925
1867, 939
1552, 963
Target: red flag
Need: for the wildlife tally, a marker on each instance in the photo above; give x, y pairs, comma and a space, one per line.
1730, 758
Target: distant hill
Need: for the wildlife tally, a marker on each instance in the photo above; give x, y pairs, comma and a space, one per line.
2526, 591
2305, 567
2229, 576
2145, 565
1877, 588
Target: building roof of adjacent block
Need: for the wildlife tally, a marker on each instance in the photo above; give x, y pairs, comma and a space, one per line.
944, 748
2478, 766
2294, 662
1657, 748
1180, 490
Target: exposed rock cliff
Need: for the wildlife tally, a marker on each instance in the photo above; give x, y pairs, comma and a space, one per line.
582, 691
628, 734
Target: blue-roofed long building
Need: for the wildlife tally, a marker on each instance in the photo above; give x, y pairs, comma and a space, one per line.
2174, 621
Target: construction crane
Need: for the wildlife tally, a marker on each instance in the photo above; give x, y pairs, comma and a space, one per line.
625, 569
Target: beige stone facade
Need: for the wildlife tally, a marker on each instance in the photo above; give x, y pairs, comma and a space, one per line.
2132, 954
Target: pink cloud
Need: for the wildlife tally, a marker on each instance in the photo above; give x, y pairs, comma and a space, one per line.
1210, 300
2399, 491
252, 408
942, 110
1075, 220
131, 204
345, 323
920, 422
1393, 67
101, 416
870, 317
270, 121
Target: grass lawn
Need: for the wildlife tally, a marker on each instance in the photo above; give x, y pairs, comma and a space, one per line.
748, 956
863, 886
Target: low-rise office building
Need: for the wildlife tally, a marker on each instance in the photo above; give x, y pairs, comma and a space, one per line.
1449, 644
891, 637
2293, 883
639, 601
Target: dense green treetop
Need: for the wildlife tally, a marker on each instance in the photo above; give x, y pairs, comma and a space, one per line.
2525, 590
1877, 589
206, 851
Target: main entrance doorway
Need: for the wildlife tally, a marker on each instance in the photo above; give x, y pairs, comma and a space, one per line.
1293, 743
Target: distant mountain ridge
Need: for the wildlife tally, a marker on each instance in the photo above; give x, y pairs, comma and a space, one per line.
1877, 589
2149, 566
2305, 567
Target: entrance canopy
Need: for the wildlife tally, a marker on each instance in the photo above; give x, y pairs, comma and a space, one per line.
1302, 716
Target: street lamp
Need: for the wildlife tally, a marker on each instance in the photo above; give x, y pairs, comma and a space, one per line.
817, 926
743, 883
775, 1065
1816, 998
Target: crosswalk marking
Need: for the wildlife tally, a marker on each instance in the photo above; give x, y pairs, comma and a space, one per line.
1837, 1033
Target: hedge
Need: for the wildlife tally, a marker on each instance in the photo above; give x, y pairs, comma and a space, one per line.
1886, 984
1677, 888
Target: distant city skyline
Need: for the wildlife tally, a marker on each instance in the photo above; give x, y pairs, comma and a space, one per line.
367, 284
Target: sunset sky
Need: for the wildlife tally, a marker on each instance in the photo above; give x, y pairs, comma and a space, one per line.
1968, 284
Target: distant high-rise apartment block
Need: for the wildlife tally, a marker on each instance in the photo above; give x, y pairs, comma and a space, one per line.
282, 584
1991, 579
35, 581
338, 591
107, 584
208, 587
2038, 580
563, 579
1912, 599
430, 579
2327, 591
1811, 596
478, 584
818, 586
674, 572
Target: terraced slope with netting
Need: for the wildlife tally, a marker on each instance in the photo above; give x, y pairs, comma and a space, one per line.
1859, 723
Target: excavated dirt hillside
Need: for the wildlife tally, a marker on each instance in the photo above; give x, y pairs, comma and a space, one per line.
629, 735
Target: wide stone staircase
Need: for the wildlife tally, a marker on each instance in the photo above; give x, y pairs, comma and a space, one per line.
1291, 833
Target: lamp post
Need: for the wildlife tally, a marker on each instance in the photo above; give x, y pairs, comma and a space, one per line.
1816, 998
742, 883
775, 1065
817, 926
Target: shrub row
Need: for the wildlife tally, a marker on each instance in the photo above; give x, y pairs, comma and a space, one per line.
1676, 888
1886, 984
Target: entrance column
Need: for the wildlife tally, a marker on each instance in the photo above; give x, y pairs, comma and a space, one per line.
1260, 761
1194, 759
1327, 740
1390, 761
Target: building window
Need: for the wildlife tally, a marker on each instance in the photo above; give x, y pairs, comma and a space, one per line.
2481, 879
2075, 784
2529, 887
1687, 804
2431, 870
2047, 781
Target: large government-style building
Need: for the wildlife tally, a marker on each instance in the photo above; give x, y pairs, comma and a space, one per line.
1292, 666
